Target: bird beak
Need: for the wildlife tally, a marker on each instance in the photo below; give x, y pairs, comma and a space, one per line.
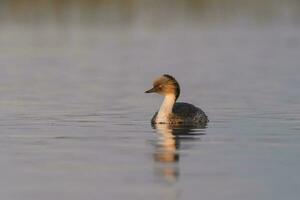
151, 90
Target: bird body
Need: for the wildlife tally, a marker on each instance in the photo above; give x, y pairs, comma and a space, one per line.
171, 112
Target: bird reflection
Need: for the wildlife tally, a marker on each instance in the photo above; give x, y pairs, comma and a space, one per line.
167, 147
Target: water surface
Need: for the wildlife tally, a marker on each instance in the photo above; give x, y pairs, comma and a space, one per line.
75, 122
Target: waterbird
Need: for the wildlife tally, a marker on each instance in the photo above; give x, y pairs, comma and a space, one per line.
170, 111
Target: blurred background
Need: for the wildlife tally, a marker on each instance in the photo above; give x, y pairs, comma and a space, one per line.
217, 44
75, 121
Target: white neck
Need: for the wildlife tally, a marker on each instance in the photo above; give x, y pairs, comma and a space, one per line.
165, 109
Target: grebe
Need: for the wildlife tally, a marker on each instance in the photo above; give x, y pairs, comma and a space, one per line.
171, 112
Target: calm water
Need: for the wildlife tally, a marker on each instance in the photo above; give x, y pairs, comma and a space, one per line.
75, 122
